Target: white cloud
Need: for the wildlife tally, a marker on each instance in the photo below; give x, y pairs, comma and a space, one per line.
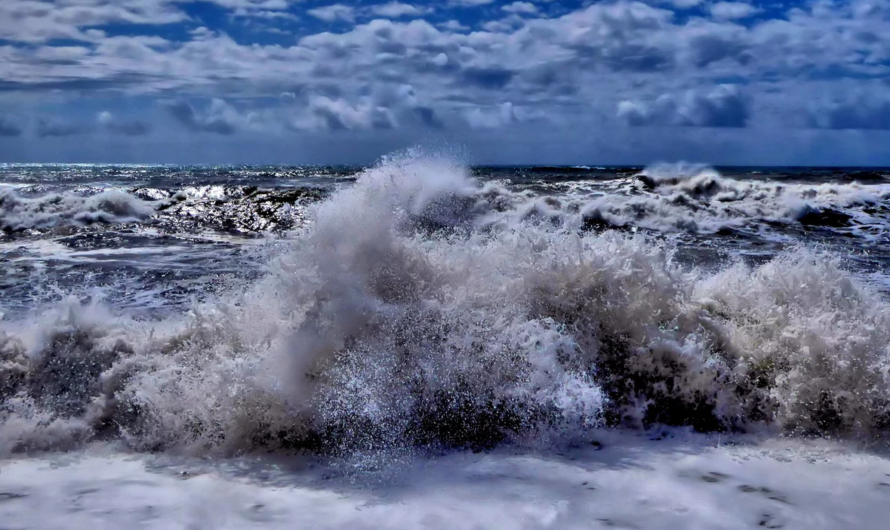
338, 114
389, 107
218, 118
453, 25
684, 4
657, 68
724, 106
492, 118
469, 3
111, 124
40, 20
732, 10
333, 13
398, 10
526, 8
264, 14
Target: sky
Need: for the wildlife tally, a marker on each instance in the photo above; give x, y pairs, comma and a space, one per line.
499, 82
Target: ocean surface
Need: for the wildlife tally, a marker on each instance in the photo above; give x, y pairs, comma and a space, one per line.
367, 317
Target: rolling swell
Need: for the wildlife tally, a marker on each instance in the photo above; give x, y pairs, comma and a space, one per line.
420, 308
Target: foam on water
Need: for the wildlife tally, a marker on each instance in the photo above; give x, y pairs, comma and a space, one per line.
420, 308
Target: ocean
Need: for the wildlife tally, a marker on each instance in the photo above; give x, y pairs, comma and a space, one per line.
423, 344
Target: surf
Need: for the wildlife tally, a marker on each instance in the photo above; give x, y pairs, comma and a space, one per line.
421, 308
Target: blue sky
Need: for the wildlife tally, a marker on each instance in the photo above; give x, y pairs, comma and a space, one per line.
503, 82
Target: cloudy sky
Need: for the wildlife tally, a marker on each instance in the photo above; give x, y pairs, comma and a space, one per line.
525, 82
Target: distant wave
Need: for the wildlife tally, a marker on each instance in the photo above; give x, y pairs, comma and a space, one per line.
239, 209
419, 308
19, 212
698, 199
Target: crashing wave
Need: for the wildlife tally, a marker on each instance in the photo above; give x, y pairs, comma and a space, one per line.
19, 212
698, 199
420, 309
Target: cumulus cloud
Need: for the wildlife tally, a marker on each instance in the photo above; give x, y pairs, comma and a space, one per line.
724, 106
40, 20
862, 111
340, 115
732, 10
111, 124
469, 3
492, 118
388, 107
398, 10
575, 67
526, 8
684, 4
333, 13
219, 118
453, 25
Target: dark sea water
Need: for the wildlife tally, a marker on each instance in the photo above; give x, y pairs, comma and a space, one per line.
421, 303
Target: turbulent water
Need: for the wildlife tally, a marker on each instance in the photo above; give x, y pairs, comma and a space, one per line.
422, 304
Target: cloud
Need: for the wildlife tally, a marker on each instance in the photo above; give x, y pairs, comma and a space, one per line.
388, 107
264, 14
724, 106
526, 8
108, 122
732, 10
40, 20
398, 10
55, 127
10, 127
684, 4
35, 21
453, 25
575, 66
339, 115
469, 3
219, 118
492, 118
333, 13
861, 111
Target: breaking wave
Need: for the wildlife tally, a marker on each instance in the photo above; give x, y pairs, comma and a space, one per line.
19, 212
420, 308
698, 199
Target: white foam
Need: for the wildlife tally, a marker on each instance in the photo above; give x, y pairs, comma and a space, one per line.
631, 483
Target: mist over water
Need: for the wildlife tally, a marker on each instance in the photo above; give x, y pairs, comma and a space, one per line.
422, 307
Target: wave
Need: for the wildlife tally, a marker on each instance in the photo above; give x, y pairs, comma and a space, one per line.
698, 199
19, 212
420, 309
240, 209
